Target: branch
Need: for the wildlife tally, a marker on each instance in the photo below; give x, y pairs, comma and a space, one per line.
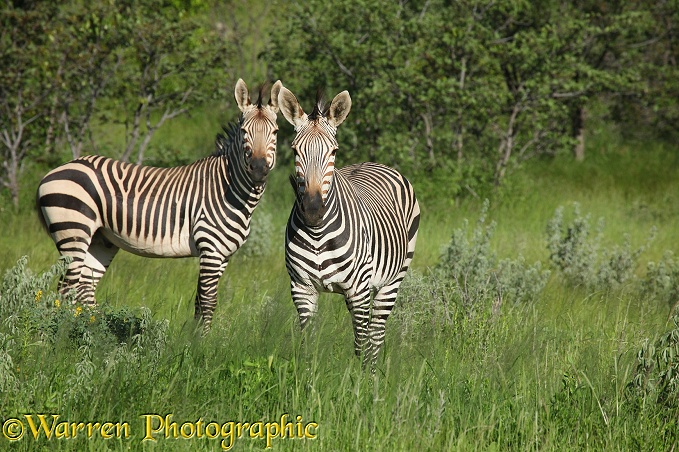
567, 95
332, 54
424, 10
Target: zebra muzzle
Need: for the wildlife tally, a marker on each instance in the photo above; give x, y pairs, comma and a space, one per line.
259, 170
313, 209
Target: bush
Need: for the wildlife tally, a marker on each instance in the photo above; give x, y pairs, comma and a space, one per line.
662, 280
478, 277
259, 241
37, 322
657, 371
578, 254
462, 296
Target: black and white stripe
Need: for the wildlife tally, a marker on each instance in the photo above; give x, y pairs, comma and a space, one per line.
351, 231
94, 206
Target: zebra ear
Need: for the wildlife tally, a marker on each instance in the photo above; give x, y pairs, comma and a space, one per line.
242, 95
273, 100
290, 108
339, 109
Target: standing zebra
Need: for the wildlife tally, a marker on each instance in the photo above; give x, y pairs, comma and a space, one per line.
351, 231
93, 206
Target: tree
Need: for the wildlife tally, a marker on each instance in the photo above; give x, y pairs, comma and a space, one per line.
171, 63
471, 86
653, 110
66, 65
24, 87
86, 40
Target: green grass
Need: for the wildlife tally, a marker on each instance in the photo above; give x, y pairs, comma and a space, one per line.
551, 375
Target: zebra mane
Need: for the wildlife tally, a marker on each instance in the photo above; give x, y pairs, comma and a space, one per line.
224, 142
319, 109
293, 184
260, 95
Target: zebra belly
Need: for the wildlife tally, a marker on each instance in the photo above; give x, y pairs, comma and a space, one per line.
344, 284
181, 245
334, 278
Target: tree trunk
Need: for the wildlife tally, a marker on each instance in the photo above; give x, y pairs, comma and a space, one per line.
427, 135
578, 132
11, 178
506, 146
14, 189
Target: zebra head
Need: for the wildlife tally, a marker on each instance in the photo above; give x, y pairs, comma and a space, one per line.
314, 147
259, 130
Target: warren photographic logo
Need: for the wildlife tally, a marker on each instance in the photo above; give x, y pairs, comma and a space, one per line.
155, 427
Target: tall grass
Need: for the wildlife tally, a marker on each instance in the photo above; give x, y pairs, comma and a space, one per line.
553, 372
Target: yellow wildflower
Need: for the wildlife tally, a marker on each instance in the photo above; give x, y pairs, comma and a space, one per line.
57, 303
92, 319
78, 311
38, 296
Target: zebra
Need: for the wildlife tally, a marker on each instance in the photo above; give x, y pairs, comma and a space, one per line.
351, 231
93, 206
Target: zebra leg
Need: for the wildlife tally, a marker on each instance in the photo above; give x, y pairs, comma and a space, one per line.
212, 267
305, 299
72, 243
383, 303
99, 256
358, 304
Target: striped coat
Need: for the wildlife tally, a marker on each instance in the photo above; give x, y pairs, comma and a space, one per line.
94, 206
351, 231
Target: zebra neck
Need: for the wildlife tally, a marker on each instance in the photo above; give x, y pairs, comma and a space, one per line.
242, 192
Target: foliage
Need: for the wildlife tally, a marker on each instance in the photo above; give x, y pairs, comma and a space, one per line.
478, 86
580, 257
477, 276
24, 86
86, 39
661, 282
657, 370
70, 65
171, 63
655, 113
468, 288
464, 92
36, 320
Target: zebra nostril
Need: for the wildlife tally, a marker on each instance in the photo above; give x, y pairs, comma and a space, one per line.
259, 169
313, 208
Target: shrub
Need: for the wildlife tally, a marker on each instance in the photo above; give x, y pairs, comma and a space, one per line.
662, 280
478, 277
37, 321
262, 231
657, 369
465, 292
578, 254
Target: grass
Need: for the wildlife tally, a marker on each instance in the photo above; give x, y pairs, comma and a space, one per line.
551, 375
